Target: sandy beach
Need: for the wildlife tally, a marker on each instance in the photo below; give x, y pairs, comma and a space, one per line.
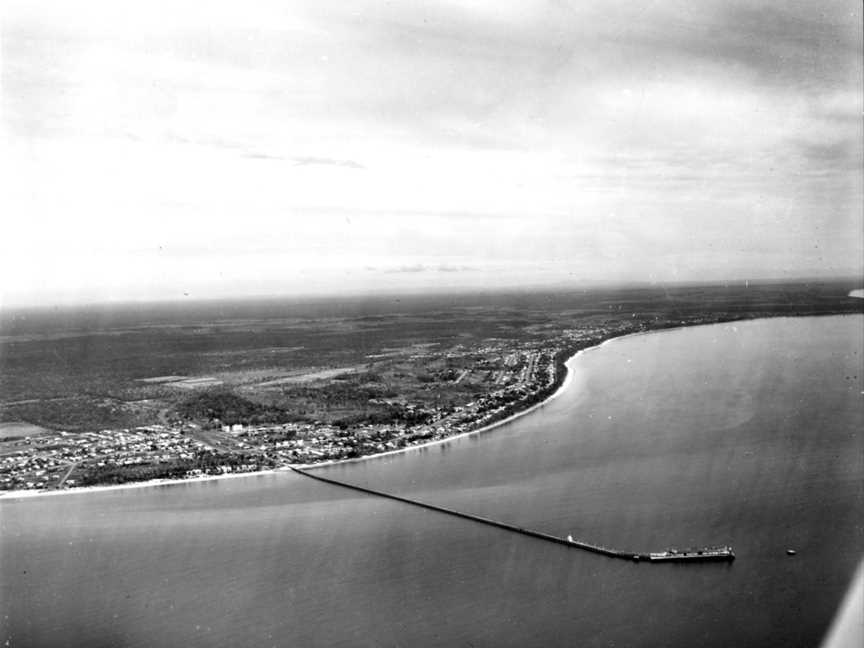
9, 495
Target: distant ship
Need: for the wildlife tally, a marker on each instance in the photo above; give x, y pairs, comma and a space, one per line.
707, 553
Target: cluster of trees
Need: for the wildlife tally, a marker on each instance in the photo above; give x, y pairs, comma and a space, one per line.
276, 435
207, 461
228, 408
76, 413
366, 417
340, 393
224, 407
392, 414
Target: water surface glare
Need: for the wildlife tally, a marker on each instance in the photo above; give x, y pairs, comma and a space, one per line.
747, 434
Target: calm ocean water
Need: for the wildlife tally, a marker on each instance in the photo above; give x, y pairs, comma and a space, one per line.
747, 434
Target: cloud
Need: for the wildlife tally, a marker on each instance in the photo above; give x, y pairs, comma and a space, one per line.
420, 267
263, 156
456, 268
308, 161
604, 136
219, 143
800, 45
842, 153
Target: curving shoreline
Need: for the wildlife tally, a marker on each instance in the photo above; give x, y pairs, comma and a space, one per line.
291, 467
565, 383
274, 471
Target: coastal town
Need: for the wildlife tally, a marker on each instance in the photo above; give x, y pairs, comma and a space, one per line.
337, 402
500, 379
62, 460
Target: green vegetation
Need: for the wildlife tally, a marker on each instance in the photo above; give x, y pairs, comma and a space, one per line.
81, 412
221, 406
84, 369
209, 463
326, 386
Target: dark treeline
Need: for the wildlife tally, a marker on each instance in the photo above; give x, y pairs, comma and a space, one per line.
688, 296
205, 461
228, 408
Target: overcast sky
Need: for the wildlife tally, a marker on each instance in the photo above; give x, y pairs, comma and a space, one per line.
161, 148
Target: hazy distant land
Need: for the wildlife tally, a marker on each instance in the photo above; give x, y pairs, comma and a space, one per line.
103, 395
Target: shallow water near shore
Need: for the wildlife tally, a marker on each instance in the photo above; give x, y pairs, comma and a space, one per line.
745, 433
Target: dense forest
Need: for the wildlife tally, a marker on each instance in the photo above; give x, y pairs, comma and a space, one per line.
225, 407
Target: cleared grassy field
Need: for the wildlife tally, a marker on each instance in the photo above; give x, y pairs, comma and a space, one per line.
17, 429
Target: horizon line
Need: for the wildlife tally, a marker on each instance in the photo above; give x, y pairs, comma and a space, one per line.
396, 293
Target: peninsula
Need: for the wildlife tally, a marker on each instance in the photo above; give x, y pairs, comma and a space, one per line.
103, 397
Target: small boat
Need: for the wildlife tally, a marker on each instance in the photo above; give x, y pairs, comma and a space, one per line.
791, 552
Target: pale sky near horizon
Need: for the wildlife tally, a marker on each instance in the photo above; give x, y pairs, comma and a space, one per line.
156, 149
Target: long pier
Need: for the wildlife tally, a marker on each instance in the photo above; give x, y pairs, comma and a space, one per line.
579, 544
